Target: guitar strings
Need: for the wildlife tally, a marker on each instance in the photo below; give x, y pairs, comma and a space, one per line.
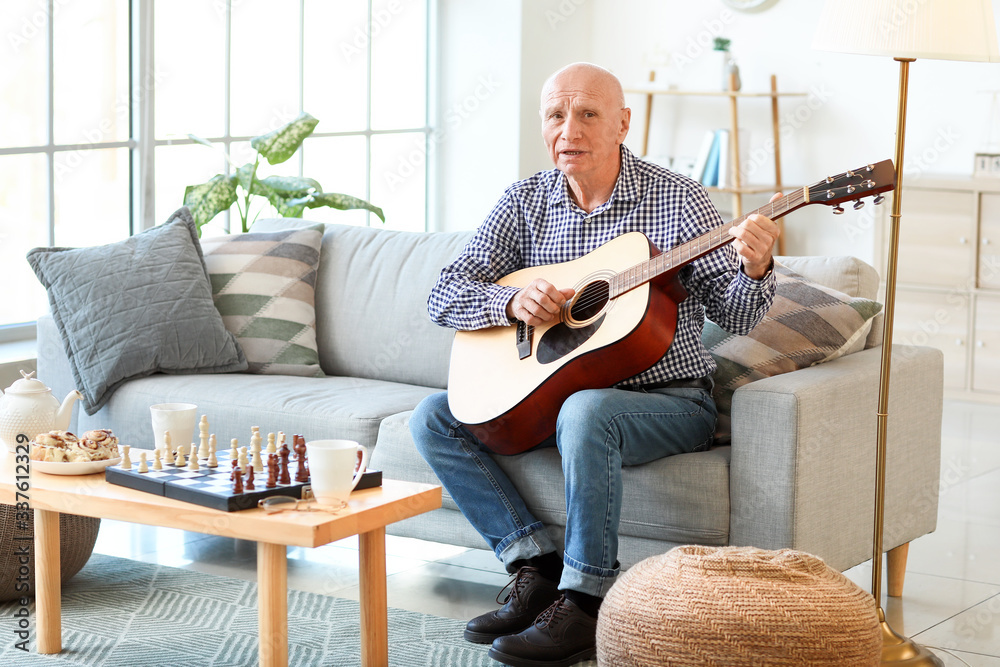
640, 273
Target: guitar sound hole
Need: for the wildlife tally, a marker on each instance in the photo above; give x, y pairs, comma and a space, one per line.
591, 301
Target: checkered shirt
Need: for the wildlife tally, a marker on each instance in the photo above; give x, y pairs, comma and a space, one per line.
536, 222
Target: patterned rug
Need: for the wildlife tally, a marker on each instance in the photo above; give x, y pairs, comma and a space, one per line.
123, 613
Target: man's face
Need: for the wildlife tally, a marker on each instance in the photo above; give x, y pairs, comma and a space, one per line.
583, 123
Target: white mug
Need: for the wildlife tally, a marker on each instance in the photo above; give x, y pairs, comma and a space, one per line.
331, 469
178, 418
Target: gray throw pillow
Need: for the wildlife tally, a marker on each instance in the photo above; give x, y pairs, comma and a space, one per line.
136, 307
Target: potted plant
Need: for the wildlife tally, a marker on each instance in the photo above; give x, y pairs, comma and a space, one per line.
289, 195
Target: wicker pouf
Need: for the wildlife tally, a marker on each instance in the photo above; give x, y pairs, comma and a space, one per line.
77, 535
732, 606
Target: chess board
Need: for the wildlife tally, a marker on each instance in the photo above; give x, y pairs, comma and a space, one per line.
211, 487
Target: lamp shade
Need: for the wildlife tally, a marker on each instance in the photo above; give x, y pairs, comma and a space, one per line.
935, 29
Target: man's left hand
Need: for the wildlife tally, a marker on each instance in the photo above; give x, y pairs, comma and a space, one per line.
755, 238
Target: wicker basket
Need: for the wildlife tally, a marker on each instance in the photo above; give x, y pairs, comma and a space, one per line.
77, 535
734, 606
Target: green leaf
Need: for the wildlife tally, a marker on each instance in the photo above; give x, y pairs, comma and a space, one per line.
244, 176
338, 201
292, 186
209, 199
281, 144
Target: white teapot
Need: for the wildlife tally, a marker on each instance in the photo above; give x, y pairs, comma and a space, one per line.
28, 408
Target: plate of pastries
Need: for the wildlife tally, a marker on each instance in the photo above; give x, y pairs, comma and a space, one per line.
63, 453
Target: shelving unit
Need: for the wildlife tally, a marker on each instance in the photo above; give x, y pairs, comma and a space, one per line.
948, 278
738, 189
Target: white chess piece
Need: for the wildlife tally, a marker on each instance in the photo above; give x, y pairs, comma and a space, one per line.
255, 461
143, 467
179, 461
254, 437
126, 461
234, 455
203, 433
242, 460
212, 461
193, 460
168, 451
157, 463
271, 449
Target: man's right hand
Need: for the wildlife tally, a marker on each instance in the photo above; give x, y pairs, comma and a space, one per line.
538, 302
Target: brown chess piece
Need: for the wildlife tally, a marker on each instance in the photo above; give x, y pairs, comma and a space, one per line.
301, 474
283, 476
272, 471
249, 484
237, 478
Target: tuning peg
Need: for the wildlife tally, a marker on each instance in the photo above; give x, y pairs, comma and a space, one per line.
878, 199
837, 210
860, 204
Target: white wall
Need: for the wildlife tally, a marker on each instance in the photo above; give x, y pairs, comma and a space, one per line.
478, 115
848, 118
484, 145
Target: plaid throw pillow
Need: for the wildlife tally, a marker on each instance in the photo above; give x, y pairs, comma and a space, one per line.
264, 285
806, 325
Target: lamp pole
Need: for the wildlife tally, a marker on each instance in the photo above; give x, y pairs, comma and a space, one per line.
896, 649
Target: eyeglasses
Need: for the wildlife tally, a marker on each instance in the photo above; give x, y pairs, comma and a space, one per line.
275, 504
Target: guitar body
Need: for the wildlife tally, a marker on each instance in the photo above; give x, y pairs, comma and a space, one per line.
508, 389
511, 403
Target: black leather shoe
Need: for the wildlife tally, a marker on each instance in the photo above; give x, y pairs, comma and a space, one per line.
561, 636
530, 594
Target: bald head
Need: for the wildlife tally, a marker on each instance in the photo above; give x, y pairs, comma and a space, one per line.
584, 122
585, 76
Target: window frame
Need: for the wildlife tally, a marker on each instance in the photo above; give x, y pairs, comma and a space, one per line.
142, 142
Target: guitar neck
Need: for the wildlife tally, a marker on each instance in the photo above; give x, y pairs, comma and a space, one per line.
687, 252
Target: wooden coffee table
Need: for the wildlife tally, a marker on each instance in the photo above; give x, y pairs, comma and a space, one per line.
369, 512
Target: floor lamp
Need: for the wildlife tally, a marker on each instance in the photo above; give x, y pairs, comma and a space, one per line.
904, 30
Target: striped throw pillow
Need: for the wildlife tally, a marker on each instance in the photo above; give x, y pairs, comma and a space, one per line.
264, 285
806, 325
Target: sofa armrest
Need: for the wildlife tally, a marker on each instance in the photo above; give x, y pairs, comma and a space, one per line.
53, 364
802, 474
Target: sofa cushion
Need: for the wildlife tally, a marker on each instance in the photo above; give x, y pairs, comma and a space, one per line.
371, 302
317, 408
846, 274
136, 307
264, 285
807, 324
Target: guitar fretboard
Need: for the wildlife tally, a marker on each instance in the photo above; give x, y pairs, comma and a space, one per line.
687, 252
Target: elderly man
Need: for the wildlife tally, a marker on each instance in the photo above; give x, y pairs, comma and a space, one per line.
597, 191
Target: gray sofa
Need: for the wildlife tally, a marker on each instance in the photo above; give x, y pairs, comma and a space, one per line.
798, 472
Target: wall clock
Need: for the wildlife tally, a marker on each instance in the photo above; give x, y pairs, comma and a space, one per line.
749, 5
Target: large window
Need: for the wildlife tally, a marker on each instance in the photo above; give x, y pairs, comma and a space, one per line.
98, 98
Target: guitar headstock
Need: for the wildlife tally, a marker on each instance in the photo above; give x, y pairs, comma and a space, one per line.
870, 180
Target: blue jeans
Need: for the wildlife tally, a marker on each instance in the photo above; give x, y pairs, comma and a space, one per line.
597, 432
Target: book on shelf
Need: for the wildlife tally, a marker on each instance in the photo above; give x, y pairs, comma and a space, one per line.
725, 177
698, 172
718, 168
711, 176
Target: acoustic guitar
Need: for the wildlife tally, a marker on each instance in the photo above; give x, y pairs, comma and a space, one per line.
507, 384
